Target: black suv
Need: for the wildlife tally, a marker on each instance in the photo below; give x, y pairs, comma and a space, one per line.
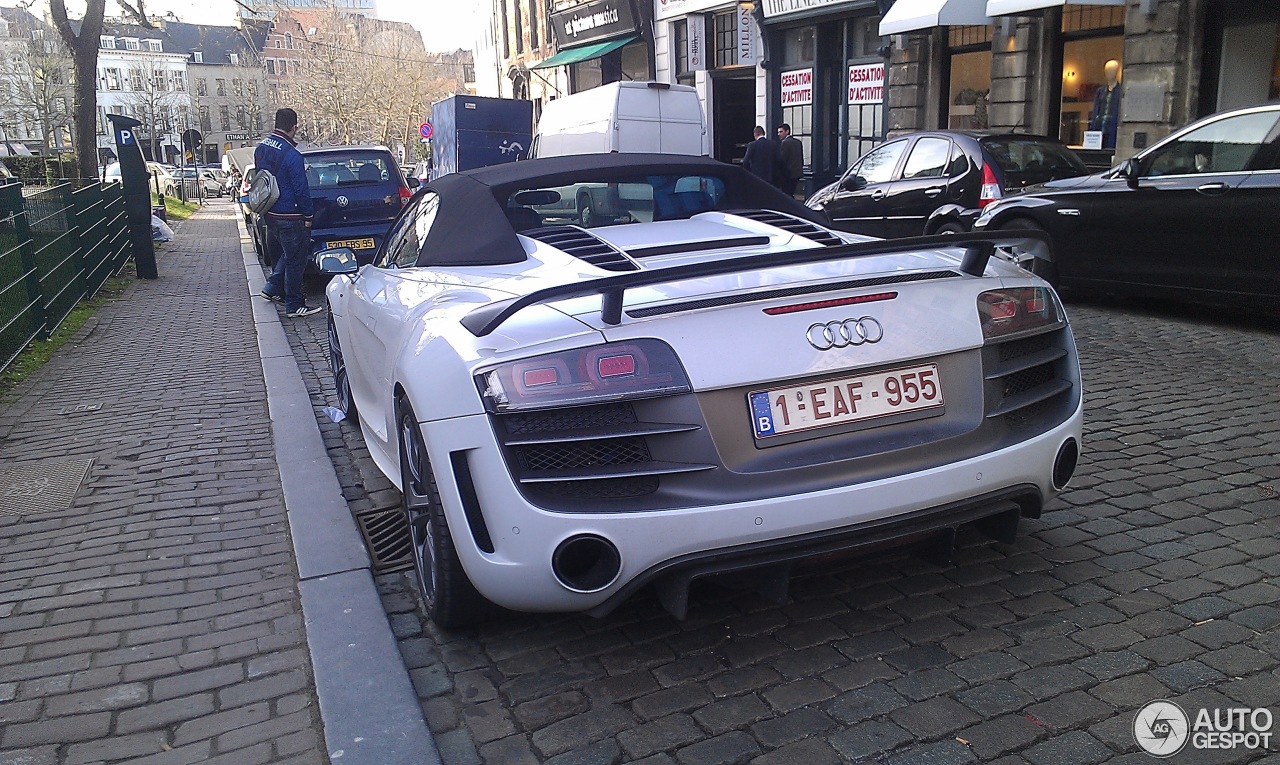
358, 192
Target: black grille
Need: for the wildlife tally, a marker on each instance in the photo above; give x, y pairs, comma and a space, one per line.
603, 452
584, 246
1027, 380
587, 454
605, 488
791, 223
577, 418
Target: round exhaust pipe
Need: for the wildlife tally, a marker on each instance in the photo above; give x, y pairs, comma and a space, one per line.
586, 563
1064, 465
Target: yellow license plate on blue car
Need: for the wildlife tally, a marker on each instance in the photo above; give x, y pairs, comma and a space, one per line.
355, 244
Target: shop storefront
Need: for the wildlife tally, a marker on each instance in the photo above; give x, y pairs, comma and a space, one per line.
713, 45
600, 42
827, 80
1107, 77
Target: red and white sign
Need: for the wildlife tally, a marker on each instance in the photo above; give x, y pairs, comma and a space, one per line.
797, 87
866, 84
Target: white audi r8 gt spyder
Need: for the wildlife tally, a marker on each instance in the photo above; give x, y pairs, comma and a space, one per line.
710, 382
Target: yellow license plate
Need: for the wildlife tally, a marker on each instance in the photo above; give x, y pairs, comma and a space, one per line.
355, 244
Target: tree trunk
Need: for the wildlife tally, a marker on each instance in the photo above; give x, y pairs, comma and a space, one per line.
84, 56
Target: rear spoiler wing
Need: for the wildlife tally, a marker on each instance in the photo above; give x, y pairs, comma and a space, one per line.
978, 249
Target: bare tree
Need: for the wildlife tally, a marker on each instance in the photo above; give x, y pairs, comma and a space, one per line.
156, 96
84, 56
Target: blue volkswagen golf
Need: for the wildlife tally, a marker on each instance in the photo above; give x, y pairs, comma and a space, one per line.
358, 192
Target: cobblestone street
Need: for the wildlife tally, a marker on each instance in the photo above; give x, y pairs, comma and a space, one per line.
1154, 576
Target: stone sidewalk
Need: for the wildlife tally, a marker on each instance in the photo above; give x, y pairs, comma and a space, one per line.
160, 617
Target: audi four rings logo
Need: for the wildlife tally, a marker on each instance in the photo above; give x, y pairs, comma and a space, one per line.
842, 334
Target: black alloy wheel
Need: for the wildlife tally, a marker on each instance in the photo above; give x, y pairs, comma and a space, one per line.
450, 599
949, 229
338, 364
586, 213
1045, 269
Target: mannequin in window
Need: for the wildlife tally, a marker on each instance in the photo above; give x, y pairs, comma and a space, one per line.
1106, 105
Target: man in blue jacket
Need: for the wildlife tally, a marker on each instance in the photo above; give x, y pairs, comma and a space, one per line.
289, 219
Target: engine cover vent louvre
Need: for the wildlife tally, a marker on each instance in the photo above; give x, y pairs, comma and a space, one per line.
795, 225
584, 246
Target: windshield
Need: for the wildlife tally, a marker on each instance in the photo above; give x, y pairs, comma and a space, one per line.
609, 202
349, 169
1027, 161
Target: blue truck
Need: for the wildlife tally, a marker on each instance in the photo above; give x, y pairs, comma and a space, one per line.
474, 131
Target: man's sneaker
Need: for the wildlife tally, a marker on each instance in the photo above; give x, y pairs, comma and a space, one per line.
306, 310
269, 296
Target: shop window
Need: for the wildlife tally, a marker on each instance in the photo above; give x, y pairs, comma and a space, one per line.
799, 46
799, 50
1092, 77
635, 62
864, 122
969, 81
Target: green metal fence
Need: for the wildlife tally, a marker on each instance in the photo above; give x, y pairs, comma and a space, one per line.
58, 246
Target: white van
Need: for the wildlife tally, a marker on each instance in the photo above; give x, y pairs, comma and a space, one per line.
623, 117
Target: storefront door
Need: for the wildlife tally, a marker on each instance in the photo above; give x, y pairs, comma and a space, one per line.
733, 109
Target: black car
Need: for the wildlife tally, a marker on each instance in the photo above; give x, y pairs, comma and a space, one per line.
1195, 216
921, 183
357, 191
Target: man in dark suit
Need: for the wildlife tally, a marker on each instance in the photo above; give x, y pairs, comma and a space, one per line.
790, 160
761, 159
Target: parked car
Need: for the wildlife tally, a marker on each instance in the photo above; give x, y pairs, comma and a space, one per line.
163, 178
576, 412
894, 189
1193, 216
357, 192
208, 182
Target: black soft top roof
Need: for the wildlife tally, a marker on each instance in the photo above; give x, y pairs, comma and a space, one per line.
472, 228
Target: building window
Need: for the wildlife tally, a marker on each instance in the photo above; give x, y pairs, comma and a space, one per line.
515, 4
1092, 58
635, 62
288, 40
726, 26
199, 57
535, 33
271, 66
969, 80
680, 47
154, 46
112, 77
864, 120
206, 124
107, 41
799, 52
131, 43
237, 87
224, 118
506, 31
241, 122
235, 59
202, 86
222, 86
137, 82
279, 44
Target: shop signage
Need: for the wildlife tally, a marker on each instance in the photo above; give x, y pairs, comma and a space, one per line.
774, 8
697, 50
746, 34
592, 22
797, 87
866, 84
666, 9
238, 136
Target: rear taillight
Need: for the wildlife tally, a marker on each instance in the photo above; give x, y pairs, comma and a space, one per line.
637, 369
1014, 311
990, 187
405, 193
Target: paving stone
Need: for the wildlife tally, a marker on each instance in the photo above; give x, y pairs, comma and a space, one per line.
868, 739
1003, 734
733, 747
933, 718
731, 714
1110, 665
987, 666
1074, 748
659, 735
1130, 692
1070, 710
600, 753
682, 698
865, 703
585, 728
941, 753
1187, 675
809, 752
927, 683
1047, 682
994, 698
791, 727
1238, 660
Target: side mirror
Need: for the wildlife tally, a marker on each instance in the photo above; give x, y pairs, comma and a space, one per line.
337, 262
853, 183
413, 182
1129, 171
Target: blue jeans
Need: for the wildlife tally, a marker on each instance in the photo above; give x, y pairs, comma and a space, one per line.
291, 239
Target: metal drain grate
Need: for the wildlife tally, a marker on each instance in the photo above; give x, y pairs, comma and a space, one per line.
386, 535
41, 488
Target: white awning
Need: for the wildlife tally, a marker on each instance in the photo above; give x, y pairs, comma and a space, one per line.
1015, 7
913, 15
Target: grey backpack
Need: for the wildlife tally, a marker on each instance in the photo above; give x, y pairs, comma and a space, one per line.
263, 191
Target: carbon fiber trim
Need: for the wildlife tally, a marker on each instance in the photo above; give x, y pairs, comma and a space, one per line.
725, 300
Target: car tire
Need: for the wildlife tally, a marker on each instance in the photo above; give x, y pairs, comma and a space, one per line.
451, 600
949, 229
586, 212
338, 365
1045, 269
